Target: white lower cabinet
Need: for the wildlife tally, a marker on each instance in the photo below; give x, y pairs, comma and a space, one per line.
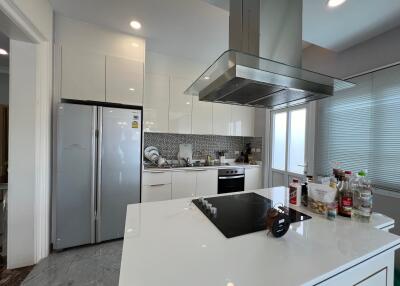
376, 271
154, 193
206, 183
156, 186
183, 184
253, 178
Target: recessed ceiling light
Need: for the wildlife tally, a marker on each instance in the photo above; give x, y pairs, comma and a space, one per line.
335, 3
136, 25
132, 89
206, 77
3, 52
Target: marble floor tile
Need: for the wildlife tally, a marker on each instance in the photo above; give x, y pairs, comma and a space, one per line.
96, 265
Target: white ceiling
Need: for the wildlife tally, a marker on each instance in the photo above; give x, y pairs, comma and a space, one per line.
188, 28
347, 25
197, 30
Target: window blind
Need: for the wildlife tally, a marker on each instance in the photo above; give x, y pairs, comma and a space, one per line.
359, 128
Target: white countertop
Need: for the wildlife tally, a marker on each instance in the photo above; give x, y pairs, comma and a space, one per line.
235, 165
172, 243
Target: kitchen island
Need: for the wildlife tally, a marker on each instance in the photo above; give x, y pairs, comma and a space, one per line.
174, 243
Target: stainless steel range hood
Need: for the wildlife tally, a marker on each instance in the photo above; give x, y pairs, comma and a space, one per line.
262, 68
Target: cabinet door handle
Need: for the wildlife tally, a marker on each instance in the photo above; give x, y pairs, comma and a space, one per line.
157, 185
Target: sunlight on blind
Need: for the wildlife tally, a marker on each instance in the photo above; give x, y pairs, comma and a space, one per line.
360, 128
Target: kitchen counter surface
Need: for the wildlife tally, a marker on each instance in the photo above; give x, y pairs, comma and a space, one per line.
173, 243
232, 165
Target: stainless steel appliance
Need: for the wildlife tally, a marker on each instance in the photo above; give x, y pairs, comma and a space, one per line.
263, 66
97, 172
230, 180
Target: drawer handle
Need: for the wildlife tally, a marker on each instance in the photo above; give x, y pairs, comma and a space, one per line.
157, 185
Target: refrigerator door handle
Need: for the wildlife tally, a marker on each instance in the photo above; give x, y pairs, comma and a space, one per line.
99, 151
93, 176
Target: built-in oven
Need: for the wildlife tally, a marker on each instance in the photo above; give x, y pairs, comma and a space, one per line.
230, 180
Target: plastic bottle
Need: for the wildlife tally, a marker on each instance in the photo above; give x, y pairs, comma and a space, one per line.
295, 192
362, 198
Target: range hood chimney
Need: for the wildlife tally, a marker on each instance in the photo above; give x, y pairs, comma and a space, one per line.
262, 68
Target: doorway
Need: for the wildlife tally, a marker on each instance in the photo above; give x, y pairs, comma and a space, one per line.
4, 111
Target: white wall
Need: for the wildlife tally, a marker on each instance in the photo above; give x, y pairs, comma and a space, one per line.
4, 88
21, 180
374, 53
29, 132
80, 35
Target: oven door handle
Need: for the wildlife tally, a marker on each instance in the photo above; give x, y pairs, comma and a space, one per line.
231, 177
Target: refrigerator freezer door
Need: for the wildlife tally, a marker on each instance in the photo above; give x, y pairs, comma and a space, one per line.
120, 169
75, 176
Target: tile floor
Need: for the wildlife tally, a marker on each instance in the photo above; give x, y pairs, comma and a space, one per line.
96, 265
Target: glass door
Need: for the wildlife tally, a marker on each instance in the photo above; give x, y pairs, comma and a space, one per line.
288, 145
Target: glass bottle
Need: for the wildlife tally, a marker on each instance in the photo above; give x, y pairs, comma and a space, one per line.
362, 198
345, 196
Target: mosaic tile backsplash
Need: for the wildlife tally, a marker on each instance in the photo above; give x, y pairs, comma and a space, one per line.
168, 144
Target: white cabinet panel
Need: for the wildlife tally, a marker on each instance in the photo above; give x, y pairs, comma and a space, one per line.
82, 75
201, 117
180, 108
183, 184
378, 279
156, 178
156, 103
124, 81
221, 119
154, 193
207, 183
242, 120
253, 178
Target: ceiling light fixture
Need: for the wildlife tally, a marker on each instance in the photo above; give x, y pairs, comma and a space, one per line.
3, 52
136, 25
132, 89
206, 77
335, 3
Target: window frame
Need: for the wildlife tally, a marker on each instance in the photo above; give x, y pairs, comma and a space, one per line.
309, 152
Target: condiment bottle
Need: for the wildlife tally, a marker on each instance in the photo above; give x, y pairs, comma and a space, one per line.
295, 192
345, 196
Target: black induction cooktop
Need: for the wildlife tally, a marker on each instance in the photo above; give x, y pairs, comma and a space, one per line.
240, 214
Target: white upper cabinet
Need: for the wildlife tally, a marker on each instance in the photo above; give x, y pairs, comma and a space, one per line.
180, 107
202, 117
242, 121
156, 103
82, 75
221, 119
124, 81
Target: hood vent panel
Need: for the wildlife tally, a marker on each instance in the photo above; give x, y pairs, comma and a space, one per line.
244, 79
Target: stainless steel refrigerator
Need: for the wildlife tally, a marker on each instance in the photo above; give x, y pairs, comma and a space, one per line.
97, 172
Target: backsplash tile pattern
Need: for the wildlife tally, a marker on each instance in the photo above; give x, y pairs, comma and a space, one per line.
168, 144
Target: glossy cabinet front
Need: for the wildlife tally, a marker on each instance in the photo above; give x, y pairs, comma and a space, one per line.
180, 106
82, 75
202, 117
156, 103
124, 81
